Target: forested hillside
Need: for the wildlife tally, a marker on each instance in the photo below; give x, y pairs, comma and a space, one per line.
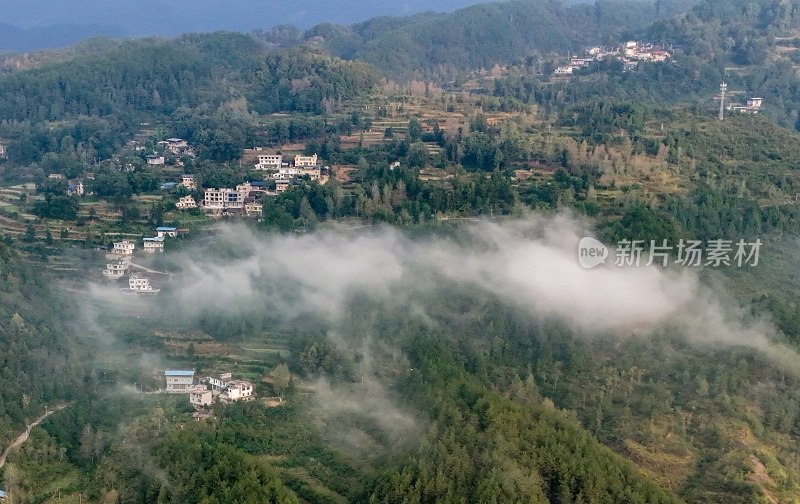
485, 35
404, 341
43, 360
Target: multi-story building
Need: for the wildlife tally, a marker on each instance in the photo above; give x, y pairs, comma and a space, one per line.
124, 248
163, 231
185, 203
140, 284
219, 382
237, 390
154, 244
200, 396
116, 269
269, 161
189, 182
223, 199
300, 160
179, 380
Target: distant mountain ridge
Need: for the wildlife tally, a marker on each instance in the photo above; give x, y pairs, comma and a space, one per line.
14, 39
44, 24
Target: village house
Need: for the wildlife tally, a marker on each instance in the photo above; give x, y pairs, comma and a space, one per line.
313, 172
189, 182
269, 161
753, 106
178, 147
75, 188
237, 390
123, 248
139, 284
163, 231
200, 396
253, 209
2, 151
300, 160
179, 380
116, 269
186, 202
219, 382
222, 199
154, 244
282, 185
155, 159
55, 176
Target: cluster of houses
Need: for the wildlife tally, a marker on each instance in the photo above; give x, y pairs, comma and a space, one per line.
630, 54
178, 147
205, 391
121, 254
246, 198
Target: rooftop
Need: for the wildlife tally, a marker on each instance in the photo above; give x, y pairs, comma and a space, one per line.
166, 228
178, 372
154, 239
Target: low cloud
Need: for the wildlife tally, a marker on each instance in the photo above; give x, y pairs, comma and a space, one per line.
530, 264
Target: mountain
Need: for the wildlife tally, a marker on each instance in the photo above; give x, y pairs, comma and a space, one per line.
38, 24
488, 34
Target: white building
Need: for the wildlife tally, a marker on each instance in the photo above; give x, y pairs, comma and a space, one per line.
140, 284
2, 151
155, 159
286, 172
269, 162
186, 202
163, 231
179, 380
221, 199
116, 269
300, 160
564, 70
755, 102
201, 397
154, 244
237, 390
124, 248
219, 382
189, 182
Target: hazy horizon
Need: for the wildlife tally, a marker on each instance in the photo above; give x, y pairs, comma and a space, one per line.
137, 18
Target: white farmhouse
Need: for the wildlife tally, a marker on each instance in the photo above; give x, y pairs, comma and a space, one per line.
179, 380
154, 244
124, 248
269, 161
163, 231
116, 269
238, 390
185, 203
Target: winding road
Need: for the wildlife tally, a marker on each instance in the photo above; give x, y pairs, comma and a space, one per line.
27, 432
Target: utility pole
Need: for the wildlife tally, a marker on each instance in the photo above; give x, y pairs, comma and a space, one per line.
722, 88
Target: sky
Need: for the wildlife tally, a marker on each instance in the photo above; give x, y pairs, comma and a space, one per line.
159, 17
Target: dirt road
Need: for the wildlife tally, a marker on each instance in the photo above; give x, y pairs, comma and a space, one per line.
27, 432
